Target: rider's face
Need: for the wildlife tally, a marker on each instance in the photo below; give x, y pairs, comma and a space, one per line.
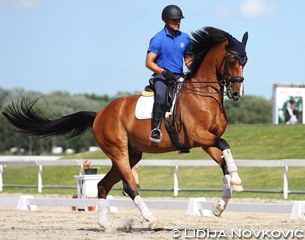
173, 24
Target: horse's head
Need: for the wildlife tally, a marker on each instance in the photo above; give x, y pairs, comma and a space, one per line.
231, 67
218, 56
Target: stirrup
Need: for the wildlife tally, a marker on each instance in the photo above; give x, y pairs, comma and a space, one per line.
154, 140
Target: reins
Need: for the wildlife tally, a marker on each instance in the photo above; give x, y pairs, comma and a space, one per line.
224, 82
199, 92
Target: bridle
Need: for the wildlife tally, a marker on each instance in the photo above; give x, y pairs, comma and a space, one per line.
227, 79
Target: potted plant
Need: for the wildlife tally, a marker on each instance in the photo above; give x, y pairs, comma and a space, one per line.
87, 168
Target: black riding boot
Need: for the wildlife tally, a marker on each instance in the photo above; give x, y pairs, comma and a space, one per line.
158, 110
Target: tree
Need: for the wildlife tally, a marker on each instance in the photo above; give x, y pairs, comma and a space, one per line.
249, 110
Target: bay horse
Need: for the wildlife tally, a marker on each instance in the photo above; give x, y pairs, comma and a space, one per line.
216, 70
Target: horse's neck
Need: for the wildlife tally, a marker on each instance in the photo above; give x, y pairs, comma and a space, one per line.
206, 78
201, 88
205, 83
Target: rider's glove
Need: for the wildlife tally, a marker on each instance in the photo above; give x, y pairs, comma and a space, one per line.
169, 76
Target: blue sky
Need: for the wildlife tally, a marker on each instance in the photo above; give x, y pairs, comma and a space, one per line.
98, 46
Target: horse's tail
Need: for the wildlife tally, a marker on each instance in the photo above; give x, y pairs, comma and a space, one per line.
34, 123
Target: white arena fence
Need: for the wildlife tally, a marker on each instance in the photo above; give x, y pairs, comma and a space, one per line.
194, 206
45, 161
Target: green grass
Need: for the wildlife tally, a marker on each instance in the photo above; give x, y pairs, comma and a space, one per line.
246, 141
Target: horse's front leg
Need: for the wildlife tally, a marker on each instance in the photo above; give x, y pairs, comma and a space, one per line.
230, 165
222, 203
226, 196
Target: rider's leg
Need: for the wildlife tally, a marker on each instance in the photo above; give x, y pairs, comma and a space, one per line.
158, 110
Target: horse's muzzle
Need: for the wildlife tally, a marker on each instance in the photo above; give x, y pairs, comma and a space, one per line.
235, 89
235, 96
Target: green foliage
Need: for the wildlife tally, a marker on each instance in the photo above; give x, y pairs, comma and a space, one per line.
249, 110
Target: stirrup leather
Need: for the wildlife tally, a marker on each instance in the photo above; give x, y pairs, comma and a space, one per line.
153, 139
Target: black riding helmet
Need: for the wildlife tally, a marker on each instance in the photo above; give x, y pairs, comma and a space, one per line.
172, 12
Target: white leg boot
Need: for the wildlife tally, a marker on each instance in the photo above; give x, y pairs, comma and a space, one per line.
226, 196
154, 224
102, 215
232, 169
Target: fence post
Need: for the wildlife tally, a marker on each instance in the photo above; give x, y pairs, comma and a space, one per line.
81, 169
1, 178
176, 185
39, 178
286, 191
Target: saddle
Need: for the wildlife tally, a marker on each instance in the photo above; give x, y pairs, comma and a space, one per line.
170, 110
170, 98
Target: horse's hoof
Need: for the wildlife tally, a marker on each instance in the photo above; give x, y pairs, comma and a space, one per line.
219, 208
105, 226
128, 225
237, 187
156, 226
217, 212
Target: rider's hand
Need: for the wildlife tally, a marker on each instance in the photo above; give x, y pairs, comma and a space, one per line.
169, 76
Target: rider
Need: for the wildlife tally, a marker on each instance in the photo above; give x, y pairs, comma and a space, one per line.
165, 55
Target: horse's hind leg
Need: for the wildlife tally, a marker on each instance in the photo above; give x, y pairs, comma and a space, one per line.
131, 189
104, 186
134, 158
119, 170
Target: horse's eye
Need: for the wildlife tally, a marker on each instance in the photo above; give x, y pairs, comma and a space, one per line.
232, 63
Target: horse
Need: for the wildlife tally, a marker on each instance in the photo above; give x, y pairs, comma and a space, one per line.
216, 71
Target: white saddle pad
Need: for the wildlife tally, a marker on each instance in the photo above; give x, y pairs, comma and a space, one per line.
144, 107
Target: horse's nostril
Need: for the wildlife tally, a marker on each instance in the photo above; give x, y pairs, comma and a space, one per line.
235, 96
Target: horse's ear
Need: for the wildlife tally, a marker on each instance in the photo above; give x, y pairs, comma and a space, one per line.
245, 38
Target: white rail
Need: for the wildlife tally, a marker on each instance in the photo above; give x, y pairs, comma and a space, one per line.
160, 204
44, 161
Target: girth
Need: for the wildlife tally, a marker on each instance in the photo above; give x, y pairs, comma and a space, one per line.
169, 119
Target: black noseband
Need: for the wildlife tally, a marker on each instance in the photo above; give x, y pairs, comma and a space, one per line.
226, 78
236, 79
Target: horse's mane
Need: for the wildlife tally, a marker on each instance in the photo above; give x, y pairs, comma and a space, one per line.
201, 42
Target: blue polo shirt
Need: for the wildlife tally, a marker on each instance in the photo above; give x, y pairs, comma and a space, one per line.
170, 50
